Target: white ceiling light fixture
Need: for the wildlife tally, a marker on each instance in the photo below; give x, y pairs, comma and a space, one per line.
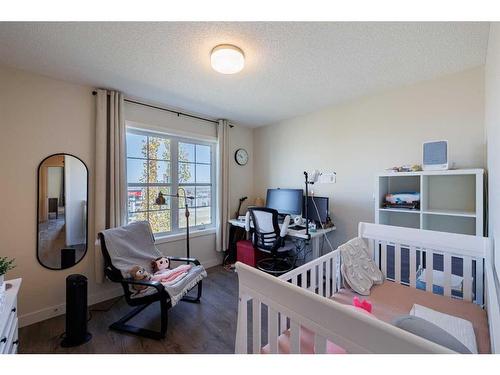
227, 59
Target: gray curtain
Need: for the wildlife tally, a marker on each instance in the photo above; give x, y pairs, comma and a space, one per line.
222, 185
110, 168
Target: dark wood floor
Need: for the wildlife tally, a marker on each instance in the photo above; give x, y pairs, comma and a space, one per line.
208, 327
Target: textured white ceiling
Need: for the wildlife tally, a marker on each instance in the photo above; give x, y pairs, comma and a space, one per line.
291, 68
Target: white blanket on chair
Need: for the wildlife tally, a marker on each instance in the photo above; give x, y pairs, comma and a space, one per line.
133, 245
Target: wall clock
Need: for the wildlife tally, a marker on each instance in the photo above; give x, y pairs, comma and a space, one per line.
241, 156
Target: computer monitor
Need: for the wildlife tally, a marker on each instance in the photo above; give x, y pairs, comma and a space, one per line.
285, 201
322, 206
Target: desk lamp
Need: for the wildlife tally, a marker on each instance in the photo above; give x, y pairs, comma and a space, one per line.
160, 200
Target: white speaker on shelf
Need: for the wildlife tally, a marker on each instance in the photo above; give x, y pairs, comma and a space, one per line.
435, 156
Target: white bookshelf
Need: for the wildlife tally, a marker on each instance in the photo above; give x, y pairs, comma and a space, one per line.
450, 201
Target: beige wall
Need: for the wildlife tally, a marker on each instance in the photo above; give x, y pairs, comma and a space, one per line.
365, 136
492, 120
40, 116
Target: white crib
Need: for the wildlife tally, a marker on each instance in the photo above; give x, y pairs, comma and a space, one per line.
269, 306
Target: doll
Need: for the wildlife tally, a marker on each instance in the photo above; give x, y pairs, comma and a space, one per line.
160, 265
163, 273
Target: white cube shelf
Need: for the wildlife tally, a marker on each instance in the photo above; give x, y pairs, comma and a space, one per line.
450, 201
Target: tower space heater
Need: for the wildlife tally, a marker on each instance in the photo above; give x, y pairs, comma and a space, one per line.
76, 312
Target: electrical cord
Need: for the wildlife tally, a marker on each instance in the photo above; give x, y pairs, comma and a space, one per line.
322, 225
327, 240
237, 237
301, 250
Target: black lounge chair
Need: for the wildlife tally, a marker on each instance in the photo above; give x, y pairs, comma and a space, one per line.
141, 302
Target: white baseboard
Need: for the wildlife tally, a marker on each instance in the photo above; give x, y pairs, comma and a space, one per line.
52, 311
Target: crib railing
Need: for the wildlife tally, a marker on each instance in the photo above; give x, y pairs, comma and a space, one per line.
269, 306
320, 276
443, 263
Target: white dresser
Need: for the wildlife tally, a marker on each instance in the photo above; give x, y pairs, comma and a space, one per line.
8, 318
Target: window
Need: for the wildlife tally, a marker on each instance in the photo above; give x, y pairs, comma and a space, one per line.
163, 163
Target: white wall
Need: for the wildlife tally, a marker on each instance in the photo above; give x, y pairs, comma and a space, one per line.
241, 176
75, 185
157, 119
365, 136
492, 120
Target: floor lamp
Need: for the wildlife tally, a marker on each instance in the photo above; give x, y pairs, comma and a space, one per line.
160, 200
307, 182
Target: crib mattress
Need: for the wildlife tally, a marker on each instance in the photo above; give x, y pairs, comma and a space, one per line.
391, 300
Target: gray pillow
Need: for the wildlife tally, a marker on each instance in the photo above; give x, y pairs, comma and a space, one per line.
431, 332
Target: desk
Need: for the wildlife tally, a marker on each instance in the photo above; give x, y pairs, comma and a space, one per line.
299, 234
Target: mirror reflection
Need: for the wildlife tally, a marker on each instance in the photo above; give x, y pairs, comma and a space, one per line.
62, 211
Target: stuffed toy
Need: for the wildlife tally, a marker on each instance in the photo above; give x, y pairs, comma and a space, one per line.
139, 273
160, 265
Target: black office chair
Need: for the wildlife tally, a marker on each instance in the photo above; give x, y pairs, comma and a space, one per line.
269, 238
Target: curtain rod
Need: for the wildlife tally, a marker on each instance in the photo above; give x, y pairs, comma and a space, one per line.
168, 110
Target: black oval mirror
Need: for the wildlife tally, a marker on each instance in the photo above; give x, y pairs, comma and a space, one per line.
62, 211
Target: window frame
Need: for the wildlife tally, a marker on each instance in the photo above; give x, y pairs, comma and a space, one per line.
174, 180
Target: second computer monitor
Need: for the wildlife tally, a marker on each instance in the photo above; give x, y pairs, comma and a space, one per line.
317, 211
285, 201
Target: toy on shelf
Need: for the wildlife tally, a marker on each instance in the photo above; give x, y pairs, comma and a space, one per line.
405, 200
406, 168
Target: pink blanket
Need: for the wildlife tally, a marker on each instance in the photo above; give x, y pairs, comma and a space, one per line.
172, 275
